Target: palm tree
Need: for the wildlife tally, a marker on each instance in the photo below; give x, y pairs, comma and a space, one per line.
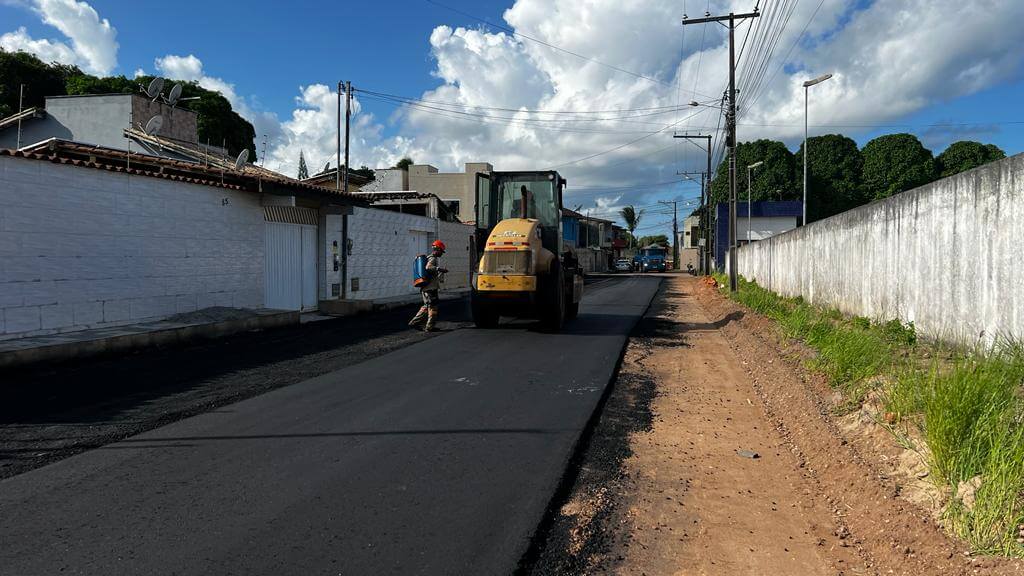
632, 219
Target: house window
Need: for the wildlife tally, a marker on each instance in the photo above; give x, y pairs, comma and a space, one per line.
452, 205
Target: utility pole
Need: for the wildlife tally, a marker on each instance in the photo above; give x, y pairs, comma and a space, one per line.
348, 116
675, 232
344, 217
730, 122
705, 200
21, 108
337, 172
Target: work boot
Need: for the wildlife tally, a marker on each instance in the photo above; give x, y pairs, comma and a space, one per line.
418, 318
431, 320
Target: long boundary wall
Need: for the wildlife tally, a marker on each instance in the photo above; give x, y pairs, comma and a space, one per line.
948, 256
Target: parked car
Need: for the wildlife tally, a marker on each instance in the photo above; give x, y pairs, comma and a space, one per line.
623, 265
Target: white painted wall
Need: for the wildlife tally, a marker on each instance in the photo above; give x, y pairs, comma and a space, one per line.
82, 248
764, 227
945, 256
381, 259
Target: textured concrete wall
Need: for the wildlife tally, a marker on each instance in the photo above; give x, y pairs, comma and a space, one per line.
459, 186
384, 244
946, 256
102, 120
83, 248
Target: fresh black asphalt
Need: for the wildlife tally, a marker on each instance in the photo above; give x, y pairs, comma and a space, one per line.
438, 458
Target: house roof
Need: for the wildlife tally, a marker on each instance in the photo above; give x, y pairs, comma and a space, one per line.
26, 114
577, 215
214, 174
403, 195
328, 178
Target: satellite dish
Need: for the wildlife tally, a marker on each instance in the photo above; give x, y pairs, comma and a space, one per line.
172, 99
155, 87
243, 157
154, 125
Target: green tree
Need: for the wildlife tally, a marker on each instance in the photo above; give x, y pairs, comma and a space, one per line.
303, 170
82, 83
218, 123
404, 163
773, 180
895, 163
659, 239
632, 219
364, 171
40, 80
965, 155
833, 176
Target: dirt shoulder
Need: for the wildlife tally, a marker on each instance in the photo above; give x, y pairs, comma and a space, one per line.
669, 484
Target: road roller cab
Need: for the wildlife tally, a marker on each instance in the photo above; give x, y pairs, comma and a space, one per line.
523, 269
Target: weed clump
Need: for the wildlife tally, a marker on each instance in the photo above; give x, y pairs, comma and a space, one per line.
966, 404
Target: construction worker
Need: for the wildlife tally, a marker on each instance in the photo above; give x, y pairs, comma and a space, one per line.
429, 290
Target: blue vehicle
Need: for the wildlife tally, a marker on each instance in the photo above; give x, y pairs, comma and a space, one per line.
651, 259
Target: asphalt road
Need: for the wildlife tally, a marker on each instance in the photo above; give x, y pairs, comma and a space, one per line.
438, 458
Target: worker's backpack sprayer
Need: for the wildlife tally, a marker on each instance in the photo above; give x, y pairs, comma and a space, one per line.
419, 271
420, 274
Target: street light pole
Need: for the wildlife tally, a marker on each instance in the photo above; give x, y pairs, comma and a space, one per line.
749, 189
807, 85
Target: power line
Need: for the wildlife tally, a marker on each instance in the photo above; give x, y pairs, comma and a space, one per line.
935, 125
418, 105
473, 106
499, 121
757, 96
621, 146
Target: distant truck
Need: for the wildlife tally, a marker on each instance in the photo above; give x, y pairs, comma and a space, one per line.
651, 259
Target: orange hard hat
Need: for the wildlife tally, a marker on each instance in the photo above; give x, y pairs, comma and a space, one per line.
439, 245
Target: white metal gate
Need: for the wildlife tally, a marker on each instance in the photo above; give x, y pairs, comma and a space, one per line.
419, 243
290, 278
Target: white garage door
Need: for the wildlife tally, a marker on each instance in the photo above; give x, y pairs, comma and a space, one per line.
291, 281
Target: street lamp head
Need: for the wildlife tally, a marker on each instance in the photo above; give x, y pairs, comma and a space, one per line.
817, 80
694, 103
755, 164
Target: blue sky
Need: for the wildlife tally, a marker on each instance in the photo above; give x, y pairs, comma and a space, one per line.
280, 61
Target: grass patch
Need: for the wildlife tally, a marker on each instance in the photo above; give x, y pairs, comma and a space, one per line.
966, 404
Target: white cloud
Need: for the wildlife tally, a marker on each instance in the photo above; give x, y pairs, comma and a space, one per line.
93, 40
190, 69
313, 128
46, 50
890, 58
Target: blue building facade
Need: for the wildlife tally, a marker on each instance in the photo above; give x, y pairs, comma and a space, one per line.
765, 209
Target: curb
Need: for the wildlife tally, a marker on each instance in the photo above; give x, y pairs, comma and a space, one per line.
174, 334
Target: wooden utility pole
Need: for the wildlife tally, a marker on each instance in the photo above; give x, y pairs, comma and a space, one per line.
730, 124
348, 116
705, 200
675, 232
344, 217
337, 172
